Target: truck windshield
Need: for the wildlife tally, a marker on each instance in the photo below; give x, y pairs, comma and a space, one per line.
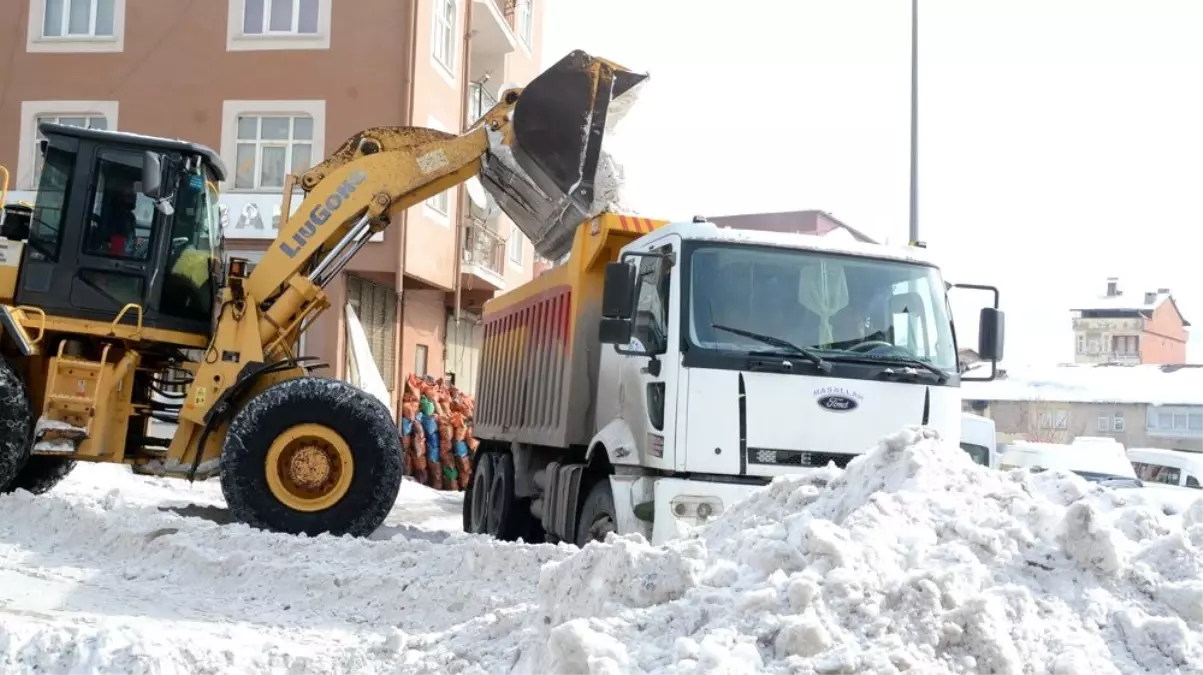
839, 306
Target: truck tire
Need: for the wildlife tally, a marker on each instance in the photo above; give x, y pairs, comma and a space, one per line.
16, 427
597, 514
476, 497
505, 521
41, 473
310, 456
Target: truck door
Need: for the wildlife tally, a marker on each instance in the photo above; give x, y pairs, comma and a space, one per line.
650, 390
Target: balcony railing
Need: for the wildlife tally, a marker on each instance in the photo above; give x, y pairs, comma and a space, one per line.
484, 248
479, 102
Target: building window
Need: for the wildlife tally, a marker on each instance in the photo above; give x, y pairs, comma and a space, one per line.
83, 120
78, 18
420, 360
524, 21
1125, 345
90, 114
1117, 422
1104, 423
270, 147
76, 26
278, 24
1177, 421
442, 40
515, 245
279, 17
1081, 344
263, 141
1054, 419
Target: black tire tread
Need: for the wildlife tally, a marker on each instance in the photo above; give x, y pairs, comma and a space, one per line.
599, 501
16, 426
41, 473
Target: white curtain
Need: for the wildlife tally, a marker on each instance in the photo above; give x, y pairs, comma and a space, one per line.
823, 289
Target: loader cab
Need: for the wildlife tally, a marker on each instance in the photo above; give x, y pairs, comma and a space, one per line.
123, 219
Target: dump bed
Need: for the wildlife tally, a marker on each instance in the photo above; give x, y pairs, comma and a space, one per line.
538, 367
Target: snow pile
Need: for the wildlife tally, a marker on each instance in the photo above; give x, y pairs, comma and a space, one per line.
913, 560
105, 575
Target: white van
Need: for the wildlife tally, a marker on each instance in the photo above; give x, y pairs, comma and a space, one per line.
1171, 467
1097, 462
979, 440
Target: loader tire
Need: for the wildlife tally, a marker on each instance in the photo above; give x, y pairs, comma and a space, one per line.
16, 427
310, 456
42, 473
597, 514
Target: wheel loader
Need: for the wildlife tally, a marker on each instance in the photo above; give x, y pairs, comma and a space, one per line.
116, 308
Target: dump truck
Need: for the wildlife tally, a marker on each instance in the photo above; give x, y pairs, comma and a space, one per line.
666, 370
116, 307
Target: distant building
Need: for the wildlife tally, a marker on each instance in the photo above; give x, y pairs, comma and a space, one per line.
1141, 406
1144, 328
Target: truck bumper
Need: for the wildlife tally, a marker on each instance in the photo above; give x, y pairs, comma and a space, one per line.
681, 505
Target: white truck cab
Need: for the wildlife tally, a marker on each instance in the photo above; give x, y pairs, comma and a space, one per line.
742, 355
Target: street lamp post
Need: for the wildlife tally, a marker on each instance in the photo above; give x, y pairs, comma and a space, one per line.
914, 215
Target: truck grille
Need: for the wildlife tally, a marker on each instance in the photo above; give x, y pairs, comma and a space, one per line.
802, 458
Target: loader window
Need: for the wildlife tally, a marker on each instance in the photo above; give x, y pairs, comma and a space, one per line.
45, 231
121, 218
195, 240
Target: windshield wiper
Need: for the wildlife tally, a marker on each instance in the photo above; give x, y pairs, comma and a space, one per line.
777, 342
941, 375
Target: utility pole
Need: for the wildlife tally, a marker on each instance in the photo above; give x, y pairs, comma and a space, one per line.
914, 216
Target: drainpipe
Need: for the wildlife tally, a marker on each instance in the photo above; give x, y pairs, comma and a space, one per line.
411, 29
463, 209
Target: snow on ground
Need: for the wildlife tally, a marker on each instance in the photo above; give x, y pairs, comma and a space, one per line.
913, 560
116, 573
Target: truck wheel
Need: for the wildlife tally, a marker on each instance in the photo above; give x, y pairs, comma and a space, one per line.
476, 500
42, 473
597, 514
502, 521
310, 456
16, 427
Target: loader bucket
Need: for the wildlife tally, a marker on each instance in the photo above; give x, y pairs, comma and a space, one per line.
543, 179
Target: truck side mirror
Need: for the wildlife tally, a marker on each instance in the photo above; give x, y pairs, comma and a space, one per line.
991, 334
618, 295
152, 175
614, 331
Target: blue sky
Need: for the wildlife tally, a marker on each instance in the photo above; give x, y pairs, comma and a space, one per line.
1061, 141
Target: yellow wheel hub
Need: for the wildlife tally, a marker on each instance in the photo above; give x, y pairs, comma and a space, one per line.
309, 467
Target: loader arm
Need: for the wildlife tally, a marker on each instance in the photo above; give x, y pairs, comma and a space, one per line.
536, 151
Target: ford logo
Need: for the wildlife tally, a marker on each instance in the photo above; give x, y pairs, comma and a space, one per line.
835, 403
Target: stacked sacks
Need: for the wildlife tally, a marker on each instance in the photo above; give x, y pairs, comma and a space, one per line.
436, 434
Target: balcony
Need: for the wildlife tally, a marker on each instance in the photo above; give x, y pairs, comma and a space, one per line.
480, 101
493, 35
483, 258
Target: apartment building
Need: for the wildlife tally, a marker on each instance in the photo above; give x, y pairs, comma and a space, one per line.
274, 86
1130, 328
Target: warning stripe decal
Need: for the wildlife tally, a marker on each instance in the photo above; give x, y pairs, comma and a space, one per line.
634, 224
